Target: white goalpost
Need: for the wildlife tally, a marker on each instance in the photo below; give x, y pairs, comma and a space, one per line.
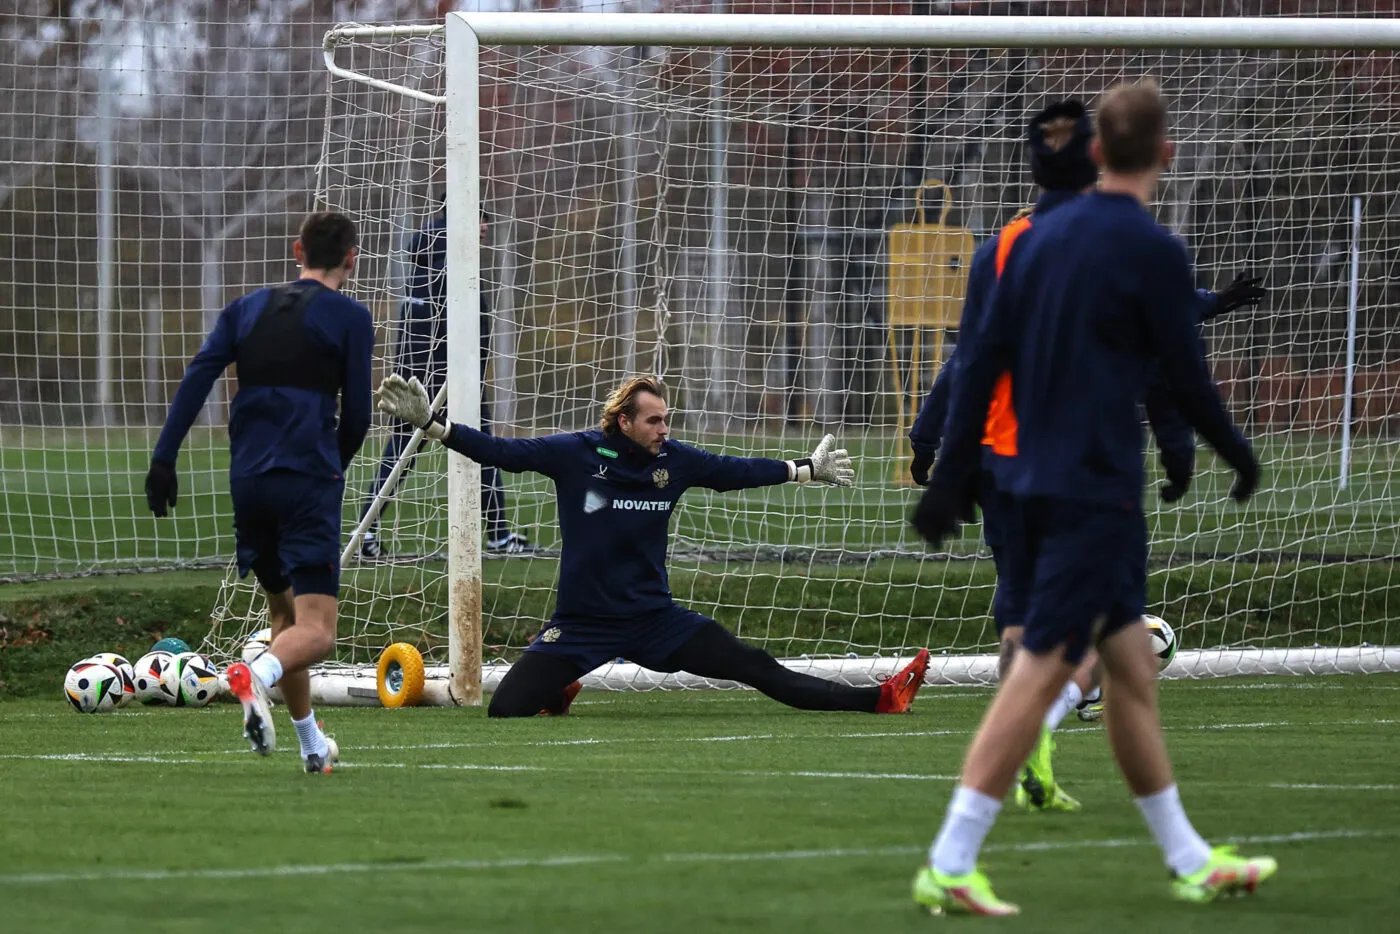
729, 200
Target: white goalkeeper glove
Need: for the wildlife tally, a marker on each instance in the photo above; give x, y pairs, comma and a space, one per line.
407, 400
824, 466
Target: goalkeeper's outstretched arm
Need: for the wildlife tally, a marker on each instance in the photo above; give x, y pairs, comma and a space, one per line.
407, 399
827, 464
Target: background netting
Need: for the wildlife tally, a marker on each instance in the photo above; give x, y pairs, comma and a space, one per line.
722, 217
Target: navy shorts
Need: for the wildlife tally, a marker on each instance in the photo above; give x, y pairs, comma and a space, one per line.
648, 641
1088, 572
1001, 530
287, 531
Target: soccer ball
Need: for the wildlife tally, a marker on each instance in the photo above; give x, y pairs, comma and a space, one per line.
1163, 640
171, 644
197, 679
156, 683
257, 644
128, 692
93, 687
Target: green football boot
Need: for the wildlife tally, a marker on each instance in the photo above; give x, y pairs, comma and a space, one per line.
1224, 874
1037, 790
969, 893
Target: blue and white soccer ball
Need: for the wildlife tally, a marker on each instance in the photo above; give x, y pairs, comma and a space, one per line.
257, 644
196, 678
1163, 640
124, 668
93, 687
156, 682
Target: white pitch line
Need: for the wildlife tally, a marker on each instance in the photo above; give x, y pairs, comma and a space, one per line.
123, 714
808, 773
1273, 686
621, 740
1311, 786
616, 770
100, 757
547, 862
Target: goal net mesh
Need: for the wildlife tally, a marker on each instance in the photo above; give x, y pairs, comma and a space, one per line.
733, 219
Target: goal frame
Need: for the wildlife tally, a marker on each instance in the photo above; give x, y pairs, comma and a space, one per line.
463, 679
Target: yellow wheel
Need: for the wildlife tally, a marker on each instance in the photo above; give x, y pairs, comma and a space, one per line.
400, 679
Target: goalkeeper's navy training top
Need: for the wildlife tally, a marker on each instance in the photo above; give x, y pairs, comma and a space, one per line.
1093, 300
615, 502
1172, 432
292, 365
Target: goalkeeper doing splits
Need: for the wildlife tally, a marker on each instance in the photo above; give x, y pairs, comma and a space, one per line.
616, 488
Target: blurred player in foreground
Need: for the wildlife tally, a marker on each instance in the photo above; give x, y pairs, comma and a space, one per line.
1094, 299
301, 350
1058, 146
616, 488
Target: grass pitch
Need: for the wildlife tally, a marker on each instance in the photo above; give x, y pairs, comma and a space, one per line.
693, 813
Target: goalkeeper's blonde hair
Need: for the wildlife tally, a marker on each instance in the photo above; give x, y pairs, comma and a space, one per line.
623, 400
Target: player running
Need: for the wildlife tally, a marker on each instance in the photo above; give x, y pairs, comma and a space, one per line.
1093, 299
301, 349
1058, 145
616, 488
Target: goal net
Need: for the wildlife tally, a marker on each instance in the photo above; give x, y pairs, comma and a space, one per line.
746, 217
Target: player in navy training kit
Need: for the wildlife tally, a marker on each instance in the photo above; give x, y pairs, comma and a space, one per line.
422, 352
616, 489
1093, 300
301, 350
1058, 140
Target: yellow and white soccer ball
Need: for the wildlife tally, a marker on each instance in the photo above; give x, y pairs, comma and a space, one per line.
196, 678
257, 644
93, 687
1163, 640
124, 668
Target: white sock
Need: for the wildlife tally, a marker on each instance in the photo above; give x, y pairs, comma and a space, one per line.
313, 741
267, 668
1068, 700
1095, 695
1184, 850
970, 817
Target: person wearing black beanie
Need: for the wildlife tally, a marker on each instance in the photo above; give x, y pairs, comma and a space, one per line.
1057, 144
1058, 140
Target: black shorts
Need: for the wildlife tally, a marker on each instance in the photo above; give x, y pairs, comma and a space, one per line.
1088, 572
287, 531
648, 640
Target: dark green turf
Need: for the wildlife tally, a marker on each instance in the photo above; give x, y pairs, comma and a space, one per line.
443, 820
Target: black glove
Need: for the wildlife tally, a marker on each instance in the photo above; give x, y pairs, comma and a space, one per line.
1246, 477
1245, 290
1179, 471
1235, 451
162, 488
936, 515
922, 463
967, 505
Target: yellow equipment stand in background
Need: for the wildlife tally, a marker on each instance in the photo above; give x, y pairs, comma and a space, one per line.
928, 280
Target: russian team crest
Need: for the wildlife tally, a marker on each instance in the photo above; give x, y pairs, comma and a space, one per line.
551, 634
660, 478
